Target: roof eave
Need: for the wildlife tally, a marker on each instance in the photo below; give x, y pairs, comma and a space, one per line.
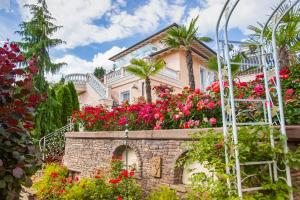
113, 58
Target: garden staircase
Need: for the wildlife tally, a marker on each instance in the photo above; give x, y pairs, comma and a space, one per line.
82, 80
52, 146
227, 49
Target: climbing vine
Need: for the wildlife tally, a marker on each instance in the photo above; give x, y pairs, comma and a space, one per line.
254, 145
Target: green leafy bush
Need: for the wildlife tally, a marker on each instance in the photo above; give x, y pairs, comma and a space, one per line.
254, 145
117, 184
163, 193
53, 182
88, 189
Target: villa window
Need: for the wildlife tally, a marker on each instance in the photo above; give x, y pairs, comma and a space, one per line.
206, 78
125, 96
202, 79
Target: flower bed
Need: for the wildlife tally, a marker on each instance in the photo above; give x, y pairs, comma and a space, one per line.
194, 108
115, 183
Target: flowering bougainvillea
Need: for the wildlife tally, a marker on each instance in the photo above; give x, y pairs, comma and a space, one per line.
194, 108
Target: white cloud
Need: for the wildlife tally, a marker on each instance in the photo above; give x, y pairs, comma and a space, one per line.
5, 5
102, 59
78, 19
78, 65
246, 13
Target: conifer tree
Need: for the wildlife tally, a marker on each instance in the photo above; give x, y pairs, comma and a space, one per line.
65, 99
75, 102
37, 40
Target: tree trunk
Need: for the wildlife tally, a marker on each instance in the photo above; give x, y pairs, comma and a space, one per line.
283, 57
189, 65
148, 90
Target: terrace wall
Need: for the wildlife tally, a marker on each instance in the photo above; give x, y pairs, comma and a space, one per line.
87, 151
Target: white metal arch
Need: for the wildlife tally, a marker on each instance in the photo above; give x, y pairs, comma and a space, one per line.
229, 118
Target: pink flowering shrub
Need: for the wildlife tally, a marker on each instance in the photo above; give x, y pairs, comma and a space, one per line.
189, 109
194, 108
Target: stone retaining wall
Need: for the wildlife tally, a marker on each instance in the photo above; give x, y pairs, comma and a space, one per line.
87, 151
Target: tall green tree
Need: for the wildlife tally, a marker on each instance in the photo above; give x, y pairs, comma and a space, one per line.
287, 35
65, 99
99, 72
47, 116
37, 40
183, 37
144, 69
75, 102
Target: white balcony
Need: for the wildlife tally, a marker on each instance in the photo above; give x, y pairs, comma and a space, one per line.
121, 73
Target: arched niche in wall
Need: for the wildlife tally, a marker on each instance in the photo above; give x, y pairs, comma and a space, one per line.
133, 158
184, 171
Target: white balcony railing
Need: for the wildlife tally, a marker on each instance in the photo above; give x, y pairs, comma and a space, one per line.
121, 73
89, 79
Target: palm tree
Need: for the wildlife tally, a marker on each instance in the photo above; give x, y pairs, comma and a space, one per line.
144, 69
182, 36
287, 35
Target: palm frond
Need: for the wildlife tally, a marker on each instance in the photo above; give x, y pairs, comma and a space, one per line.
157, 66
135, 70
205, 39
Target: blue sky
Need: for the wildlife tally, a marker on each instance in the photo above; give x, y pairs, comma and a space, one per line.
97, 29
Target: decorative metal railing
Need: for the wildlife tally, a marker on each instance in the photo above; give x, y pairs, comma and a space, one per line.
52, 145
90, 79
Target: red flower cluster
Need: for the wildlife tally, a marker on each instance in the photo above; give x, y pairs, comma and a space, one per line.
123, 174
188, 109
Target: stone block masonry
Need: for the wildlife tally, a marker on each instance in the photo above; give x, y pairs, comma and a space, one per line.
156, 153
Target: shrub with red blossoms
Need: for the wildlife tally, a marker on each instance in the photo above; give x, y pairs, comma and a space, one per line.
113, 183
175, 111
171, 111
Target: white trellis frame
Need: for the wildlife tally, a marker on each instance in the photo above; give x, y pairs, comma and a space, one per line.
229, 114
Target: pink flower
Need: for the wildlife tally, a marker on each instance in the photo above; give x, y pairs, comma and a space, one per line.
243, 84
261, 75
289, 92
186, 110
200, 105
266, 104
211, 105
156, 115
122, 121
197, 91
157, 127
176, 116
258, 89
213, 121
